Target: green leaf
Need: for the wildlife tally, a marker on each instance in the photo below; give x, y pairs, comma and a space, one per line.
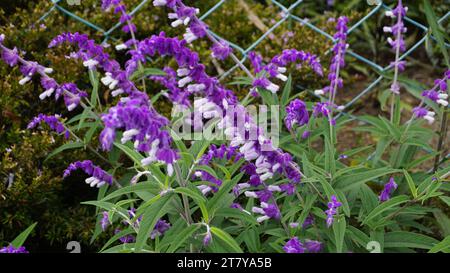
436, 30
395, 201
116, 237
227, 239
398, 239
151, 215
147, 72
132, 154
443, 246
19, 240
235, 213
286, 91
343, 200
446, 199
443, 221
339, 227
411, 185
179, 240
93, 77
188, 192
220, 197
330, 162
347, 182
64, 147
143, 186
358, 236
204, 211
368, 198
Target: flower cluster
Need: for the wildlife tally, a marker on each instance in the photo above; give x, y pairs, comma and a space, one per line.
387, 190
72, 95
223, 152
437, 94
277, 67
98, 177
221, 50
175, 94
296, 113
332, 210
52, 121
295, 246
184, 15
337, 63
143, 125
191, 73
12, 249
397, 42
160, 228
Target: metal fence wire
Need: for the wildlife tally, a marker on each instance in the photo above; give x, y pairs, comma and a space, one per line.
379, 6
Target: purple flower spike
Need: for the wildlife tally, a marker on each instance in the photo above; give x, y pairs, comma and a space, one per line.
160, 228
387, 190
332, 209
125, 239
10, 57
221, 50
268, 211
296, 113
98, 176
104, 222
52, 121
313, 246
208, 236
11, 249
309, 221
294, 246
397, 41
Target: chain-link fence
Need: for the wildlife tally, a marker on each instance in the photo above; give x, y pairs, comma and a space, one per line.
378, 6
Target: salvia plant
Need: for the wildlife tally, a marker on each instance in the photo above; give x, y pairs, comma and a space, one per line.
243, 189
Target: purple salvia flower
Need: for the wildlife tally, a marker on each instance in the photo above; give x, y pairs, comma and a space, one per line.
277, 67
338, 60
294, 246
309, 221
221, 50
256, 61
438, 93
98, 177
296, 113
397, 42
322, 108
236, 206
332, 210
104, 222
208, 236
52, 121
313, 246
205, 176
11, 57
125, 239
306, 134
269, 211
160, 228
12, 250
421, 112
387, 190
